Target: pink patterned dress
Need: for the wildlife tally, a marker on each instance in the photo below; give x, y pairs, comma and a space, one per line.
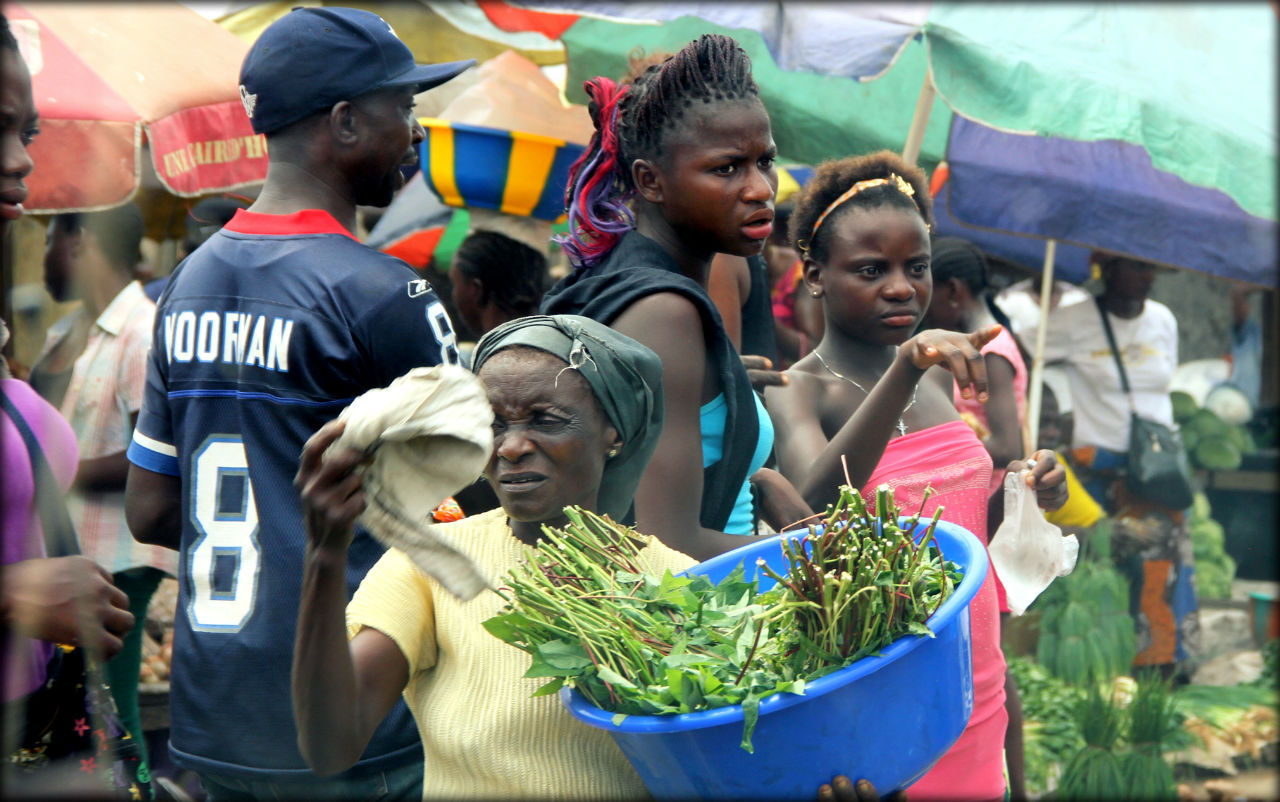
950, 458
1003, 345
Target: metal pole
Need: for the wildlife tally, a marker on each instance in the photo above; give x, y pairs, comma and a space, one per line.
1037, 362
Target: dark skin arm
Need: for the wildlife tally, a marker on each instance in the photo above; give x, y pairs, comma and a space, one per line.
1005, 442
153, 507
669, 498
109, 472
780, 504
729, 284
341, 691
816, 465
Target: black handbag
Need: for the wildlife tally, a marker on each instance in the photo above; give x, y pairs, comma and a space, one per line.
1156, 466
72, 716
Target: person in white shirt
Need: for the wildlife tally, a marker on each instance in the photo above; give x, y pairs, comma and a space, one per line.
1153, 543
1020, 302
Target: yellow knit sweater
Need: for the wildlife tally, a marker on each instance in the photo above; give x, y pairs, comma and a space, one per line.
482, 734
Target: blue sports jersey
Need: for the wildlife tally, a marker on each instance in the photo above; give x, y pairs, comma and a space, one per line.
265, 333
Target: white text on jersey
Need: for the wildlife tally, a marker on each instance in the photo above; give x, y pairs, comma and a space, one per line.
233, 338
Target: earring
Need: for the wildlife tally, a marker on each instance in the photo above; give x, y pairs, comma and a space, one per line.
613, 452
815, 293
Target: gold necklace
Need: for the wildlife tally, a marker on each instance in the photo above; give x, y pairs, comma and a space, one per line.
902, 427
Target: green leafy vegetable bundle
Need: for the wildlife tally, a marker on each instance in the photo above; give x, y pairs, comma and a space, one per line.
1049, 730
593, 615
1095, 771
1153, 723
857, 586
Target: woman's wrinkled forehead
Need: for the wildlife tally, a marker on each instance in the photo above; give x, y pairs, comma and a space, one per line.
529, 367
520, 359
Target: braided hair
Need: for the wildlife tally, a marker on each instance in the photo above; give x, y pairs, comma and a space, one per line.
513, 274
832, 178
632, 121
960, 259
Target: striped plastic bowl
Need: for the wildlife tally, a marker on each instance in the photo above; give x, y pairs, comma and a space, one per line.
510, 171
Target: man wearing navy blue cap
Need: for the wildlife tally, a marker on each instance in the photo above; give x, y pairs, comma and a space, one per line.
265, 333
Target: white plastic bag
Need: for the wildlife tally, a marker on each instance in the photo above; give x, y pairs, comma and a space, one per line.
1027, 551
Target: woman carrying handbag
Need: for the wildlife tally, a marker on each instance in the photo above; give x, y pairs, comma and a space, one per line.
1120, 354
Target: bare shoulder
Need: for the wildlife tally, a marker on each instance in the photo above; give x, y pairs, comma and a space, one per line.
671, 326
660, 320
803, 393
660, 308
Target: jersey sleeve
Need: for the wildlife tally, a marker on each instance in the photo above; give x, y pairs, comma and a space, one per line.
395, 599
153, 446
407, 327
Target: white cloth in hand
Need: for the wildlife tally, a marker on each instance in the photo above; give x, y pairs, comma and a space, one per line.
1027, 551
431, 433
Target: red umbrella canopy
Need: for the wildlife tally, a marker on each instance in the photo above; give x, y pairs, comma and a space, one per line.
109, 77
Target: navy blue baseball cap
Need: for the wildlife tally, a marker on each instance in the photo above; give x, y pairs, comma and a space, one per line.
312, 58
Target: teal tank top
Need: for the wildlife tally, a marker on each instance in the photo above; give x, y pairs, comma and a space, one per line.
711, 421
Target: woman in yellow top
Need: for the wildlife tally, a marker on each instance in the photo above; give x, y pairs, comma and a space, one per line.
577, 412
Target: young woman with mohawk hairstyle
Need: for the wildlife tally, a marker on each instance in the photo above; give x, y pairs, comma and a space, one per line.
681, 167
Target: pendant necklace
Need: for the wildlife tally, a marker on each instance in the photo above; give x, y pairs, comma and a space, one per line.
902, 427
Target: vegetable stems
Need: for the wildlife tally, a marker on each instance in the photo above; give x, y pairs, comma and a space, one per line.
592, 613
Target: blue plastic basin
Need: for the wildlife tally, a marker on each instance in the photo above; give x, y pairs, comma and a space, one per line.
885, 718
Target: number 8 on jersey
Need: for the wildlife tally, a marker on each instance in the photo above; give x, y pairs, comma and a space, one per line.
225, 557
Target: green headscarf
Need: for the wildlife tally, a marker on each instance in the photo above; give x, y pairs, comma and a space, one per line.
625, 376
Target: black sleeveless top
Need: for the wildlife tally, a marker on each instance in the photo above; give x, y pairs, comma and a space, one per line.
638, 267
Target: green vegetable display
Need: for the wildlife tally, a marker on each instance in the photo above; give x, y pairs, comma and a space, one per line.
1215, 569
1242, 438
1049, 731
1208, 424
1220, 705
1086, 632
1270, 664
1184, 406
594, 616
1094, 772
1214, 453
1125, 743
1153, 722
1211, 443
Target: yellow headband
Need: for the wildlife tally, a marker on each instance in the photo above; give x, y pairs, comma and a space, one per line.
894, 180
